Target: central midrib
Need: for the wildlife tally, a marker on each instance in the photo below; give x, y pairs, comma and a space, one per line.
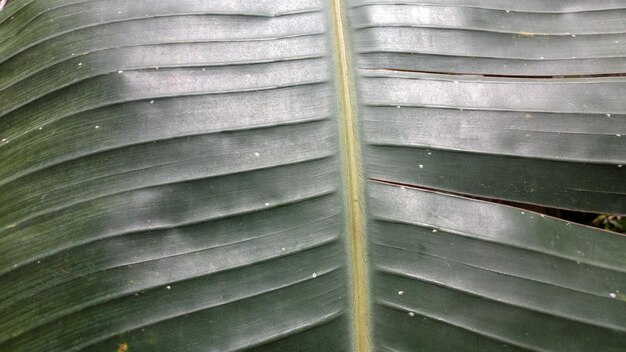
352, 180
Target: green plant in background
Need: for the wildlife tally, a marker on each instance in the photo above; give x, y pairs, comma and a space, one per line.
615, 223
297, 175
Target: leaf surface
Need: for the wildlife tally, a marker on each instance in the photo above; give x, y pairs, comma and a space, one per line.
302, 175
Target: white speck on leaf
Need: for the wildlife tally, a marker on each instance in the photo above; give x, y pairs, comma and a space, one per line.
420, 166
151, 101
434, 230
314, 275
168, 287
257, 155
411, 314
97, 126
613, 295
267, 204
400, 293
120, 72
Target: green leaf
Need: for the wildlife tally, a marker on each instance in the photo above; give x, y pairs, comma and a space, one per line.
291, 175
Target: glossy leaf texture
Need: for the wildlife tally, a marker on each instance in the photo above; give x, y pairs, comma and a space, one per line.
508, 100
173, 175
170, 178
523, 137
